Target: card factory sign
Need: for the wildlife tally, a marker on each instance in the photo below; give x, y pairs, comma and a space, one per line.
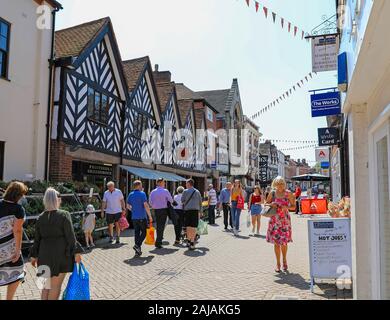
325, 52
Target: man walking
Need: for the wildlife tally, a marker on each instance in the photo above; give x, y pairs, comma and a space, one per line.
298, 192
159, 199
192, 205
212, 202
114, 206
138, 204
224, 199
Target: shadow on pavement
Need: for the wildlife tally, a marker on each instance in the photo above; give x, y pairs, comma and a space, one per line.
242, 237
163, 251
259, 236
331, 291
293, 279
198, 252
139, 261
110, 246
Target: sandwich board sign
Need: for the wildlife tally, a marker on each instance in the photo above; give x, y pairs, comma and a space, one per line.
325, 104
330, 249
328, 137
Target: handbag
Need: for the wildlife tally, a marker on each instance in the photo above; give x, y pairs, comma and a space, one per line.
123, 223
150, 240
202, 228
269, 211
78, 284
240, 202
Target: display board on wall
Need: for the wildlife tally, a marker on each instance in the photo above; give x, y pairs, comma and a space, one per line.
330, 249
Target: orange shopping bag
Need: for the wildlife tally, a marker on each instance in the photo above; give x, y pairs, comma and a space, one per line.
150, 240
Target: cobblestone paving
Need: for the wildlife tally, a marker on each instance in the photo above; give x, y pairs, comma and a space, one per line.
222, 267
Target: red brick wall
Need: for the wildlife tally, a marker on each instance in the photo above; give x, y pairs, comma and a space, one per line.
60, 164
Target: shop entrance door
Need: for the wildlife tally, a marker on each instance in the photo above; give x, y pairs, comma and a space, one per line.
381, 145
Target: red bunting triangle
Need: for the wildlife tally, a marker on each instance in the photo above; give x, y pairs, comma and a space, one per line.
265, 9
247, 2
289, 26
257, 6
274, 16
295, 31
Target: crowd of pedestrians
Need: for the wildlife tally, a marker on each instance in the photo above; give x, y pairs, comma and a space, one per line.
56, 248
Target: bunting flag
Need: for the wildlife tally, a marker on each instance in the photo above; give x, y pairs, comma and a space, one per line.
311, 146
297, 141
265, 9
283, 96
274, 16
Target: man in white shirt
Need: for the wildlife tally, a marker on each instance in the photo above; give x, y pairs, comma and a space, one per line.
212, 200
114, 205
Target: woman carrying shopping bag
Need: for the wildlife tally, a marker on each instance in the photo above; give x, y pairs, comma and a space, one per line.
55, 248
237, 205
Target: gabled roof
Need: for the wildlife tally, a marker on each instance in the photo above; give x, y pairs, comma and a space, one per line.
133, 70
199, 118
164, 91
185, 107
217, 98
72, 41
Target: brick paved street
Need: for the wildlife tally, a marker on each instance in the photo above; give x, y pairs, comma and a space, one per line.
222, 267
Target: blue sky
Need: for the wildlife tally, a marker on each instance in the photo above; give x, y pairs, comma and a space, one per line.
207, 43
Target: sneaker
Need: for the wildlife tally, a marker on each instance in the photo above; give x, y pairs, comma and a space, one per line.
93, 245
235, 232
158, 246
111, 240
257, 233
117, 240
87, 247
192, 247
137, 250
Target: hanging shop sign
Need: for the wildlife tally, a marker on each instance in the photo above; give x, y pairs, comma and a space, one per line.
322, 155
325, 52
330, 249
325, 165
325, 104
328, 137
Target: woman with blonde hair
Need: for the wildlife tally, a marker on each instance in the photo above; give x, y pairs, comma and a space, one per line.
279, 229
55, 245
237, 192
11, 231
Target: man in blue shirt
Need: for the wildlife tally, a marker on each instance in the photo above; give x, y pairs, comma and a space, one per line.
138, 204
224, 199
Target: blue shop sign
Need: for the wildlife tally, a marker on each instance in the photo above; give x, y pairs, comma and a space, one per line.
325, 104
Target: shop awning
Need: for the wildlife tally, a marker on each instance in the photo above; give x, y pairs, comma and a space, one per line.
152, 174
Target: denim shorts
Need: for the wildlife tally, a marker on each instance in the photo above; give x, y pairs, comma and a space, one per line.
255, 209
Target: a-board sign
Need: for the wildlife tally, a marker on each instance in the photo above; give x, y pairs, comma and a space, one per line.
330, 248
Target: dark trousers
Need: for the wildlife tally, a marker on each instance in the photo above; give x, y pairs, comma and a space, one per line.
161, 220
139, 231
178, 222
297, 206
211, 214
227, 215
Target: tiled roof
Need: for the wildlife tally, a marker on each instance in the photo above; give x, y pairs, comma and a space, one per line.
199, 117
133, 69
164, 92
72, 41
216, 98
184, 92
185, 106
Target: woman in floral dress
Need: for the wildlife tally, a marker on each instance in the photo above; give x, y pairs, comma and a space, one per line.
279, 229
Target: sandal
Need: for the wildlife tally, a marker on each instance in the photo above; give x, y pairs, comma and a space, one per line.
285, 267
277, 270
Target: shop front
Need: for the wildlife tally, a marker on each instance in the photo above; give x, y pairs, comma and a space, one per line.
95, 173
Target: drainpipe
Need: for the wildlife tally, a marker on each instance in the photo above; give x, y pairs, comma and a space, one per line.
49, 99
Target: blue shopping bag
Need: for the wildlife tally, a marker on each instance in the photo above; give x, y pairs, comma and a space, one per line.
78, 284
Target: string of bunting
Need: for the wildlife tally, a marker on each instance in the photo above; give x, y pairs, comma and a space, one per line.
312, 146
285, 95
291, 28
288, 141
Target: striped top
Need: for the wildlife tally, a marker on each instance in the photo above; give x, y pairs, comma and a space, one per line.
212, 194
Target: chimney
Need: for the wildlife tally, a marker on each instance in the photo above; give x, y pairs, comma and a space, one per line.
161, 76
156, 67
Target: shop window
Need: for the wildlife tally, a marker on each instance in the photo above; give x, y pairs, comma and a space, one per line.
4, 48
2, 147
98, 107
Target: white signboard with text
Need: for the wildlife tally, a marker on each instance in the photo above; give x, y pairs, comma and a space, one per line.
330, 248
325, 52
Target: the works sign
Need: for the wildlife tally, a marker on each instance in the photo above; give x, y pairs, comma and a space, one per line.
328, 137
325, 104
